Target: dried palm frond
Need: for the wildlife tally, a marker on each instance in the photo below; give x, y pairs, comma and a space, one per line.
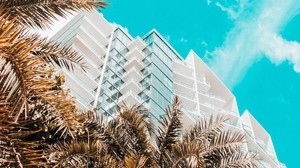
105, 135
205, 127
42, 13
63, 56
185, 154
239, 159
135, 161
136, 127
80, 154
169, 130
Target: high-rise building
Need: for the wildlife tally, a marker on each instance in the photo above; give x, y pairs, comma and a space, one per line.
147, 71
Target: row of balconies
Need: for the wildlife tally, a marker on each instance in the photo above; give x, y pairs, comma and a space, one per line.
260, 143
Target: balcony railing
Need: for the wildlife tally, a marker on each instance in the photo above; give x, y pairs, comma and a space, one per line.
210, 95
131, 93
183, 74
185, 95
268, 153
217, 108
189, 108
202, 81
190, 86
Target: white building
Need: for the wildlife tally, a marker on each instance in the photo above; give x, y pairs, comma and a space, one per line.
147, 71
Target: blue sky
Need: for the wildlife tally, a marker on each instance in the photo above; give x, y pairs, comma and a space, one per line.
253, 46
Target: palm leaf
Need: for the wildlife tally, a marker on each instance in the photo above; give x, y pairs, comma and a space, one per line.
135, 161
205, 127
185, 154
42, 13
136, 130
169, 130
239, 159
63, 56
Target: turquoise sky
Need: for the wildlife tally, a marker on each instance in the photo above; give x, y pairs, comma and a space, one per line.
253, 46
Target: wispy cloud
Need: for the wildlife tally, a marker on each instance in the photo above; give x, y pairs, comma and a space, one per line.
204, 43
183, 40
208, 2
255, 34
167, 37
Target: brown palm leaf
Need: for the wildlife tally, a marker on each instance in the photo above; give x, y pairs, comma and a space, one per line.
169, 130
42, 13
136, 126
63, 56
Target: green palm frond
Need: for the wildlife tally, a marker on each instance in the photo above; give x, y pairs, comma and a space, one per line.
42, 13
63, 56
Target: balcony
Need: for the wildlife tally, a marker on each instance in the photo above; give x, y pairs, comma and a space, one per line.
183, 76
189, 109
186, 85
185, 95
186, 98
247, 129
130, 98
202, 84
216, 100
264, 164
261, 143
134, 54
138, 43
214, 109
261, 150
131, 85
133, 63
132, 73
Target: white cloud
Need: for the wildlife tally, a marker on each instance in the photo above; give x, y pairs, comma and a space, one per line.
208, 2
235, 9
183, 40
255, 33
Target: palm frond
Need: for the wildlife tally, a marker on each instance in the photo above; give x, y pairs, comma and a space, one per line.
11, 83
42, 13
206, 127
185, 154
75, 154
239, 159
104, 133
63, 56
129, 118
169, 130
135, 161
227, 138
19, 144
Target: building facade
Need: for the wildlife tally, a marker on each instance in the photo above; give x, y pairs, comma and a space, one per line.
147, 71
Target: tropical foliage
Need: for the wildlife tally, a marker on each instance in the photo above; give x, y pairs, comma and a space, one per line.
131, 140
35, 110
40, 125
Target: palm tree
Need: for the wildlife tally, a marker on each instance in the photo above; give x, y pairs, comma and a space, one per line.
40, 125
130, 140
35, 110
